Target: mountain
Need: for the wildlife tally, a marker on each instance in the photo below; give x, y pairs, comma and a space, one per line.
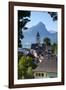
30, 34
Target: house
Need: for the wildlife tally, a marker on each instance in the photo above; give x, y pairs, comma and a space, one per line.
24, 51
47, 68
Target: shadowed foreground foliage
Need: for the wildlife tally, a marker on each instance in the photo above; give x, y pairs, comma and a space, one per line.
23, 19
25, 67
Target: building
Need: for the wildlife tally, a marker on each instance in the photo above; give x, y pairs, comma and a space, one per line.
46, 69
38, 38
24, 51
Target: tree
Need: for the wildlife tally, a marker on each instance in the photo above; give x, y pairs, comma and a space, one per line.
22, 21
22, 67
54, 48
53, 15
25, 67
47, 41
29, 72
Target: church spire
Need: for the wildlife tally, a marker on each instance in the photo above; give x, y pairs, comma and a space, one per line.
38, 38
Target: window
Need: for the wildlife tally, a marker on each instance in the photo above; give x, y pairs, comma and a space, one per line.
42, 74
36, 74
39, 74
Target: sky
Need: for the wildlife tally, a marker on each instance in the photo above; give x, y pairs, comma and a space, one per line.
41, 16
36, 17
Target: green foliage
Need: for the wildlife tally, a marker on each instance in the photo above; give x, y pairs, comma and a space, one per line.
22, 67
53, 15
22, 21
54, 48
47, 41
19, 55
25, 67
29, 72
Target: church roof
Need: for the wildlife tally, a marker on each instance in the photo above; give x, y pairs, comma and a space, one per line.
47, 66
33, 46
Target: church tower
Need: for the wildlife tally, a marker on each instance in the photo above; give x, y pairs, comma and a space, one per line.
38, 38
